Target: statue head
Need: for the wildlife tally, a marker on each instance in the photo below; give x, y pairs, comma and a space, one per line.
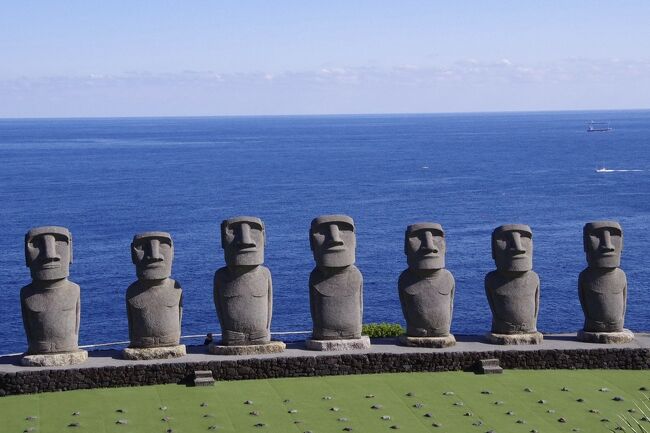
603, 243
152, 254
424, 246
242, 240
48, 252
512, 248
332, 240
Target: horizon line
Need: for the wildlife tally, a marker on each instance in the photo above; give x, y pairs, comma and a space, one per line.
407, 113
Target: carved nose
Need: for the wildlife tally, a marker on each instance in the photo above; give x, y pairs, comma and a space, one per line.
427, 243
517, 248
606, 242
334, 236
49, 249
245, 239
154, 251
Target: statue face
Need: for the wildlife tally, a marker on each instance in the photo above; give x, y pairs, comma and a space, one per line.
152, 254
425, 246
333, 241
512, 248
48, 253
603, 243
242, 240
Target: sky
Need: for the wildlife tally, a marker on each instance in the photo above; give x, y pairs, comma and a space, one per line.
194, 58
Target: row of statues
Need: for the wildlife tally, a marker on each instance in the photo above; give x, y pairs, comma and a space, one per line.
243, 291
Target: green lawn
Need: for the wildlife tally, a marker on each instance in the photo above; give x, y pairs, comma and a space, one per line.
516, 401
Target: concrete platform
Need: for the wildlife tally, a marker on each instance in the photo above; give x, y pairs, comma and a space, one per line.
464, 344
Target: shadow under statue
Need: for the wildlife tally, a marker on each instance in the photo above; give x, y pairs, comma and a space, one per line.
602, 286
154, 303
243, 291
51, 303
335, 286
513, 288
426, 288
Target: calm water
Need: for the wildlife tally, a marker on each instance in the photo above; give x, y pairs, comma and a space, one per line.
108, 179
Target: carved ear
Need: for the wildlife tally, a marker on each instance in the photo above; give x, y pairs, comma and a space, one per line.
134, 257
70, 246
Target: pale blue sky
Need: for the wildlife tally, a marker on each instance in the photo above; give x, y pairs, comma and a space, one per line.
119, 58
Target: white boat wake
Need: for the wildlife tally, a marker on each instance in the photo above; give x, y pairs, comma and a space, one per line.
609, 170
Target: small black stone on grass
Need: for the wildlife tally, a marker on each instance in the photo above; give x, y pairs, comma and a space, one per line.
204, 404
297, 421
343, 419
31, 418
260, 424
29, 430
122, 421
418, 405
575, 429
643, 388
286, 401
594, 411
618, 398
498, 402
165, 419
561, 419
477, 423
120, 410
395, 427
292, 411
448, 393
73, 424
510, 413
163, 408
370, 396
550, 411
521, 421
376, 406
327, 397
541, 401
580, 400
213, 427
76, 413
565, 389
170, 430
208, 415
486, 392
632, 410
248, 402
254, 413
428, 414
334, 409
459, 403
603, 389
528, 389
410, 394
604, 420
436, 424
468, 414
347, 428
385, 417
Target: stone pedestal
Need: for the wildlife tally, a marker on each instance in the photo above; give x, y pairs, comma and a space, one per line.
528, 338
166, 352
606, 337
251, 349
339, 345
55, 359
435, 342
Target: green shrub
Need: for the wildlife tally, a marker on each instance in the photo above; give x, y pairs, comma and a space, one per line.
379, 330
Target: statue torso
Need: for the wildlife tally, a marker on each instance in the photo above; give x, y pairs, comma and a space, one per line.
427, 303
513, 301
155, 314
336, 302
603, 299
51, 321
243, 300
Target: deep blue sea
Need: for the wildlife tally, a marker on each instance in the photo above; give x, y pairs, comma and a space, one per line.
107, 179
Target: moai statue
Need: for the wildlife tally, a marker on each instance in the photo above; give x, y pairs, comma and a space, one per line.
426, 288
602, 286
335, 286
51, 303
154, 303
243, 291
513, 289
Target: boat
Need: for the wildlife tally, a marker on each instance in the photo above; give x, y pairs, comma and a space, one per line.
598, 126
604, 170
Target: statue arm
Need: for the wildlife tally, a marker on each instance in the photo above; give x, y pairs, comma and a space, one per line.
581, 294
451, 299
25, 313
361, 297
488, 293
402, 296
129, 319
270, 307
624, 295
78, 315
537, 291
180, 311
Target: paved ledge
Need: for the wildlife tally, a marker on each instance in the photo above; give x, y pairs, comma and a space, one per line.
106, 368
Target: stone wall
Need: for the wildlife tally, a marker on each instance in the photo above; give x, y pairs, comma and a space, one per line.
25, 382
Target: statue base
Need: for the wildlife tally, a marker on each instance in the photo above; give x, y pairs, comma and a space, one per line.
145, 353
251, 349
337, 345
435, 342
624, 336
527, 338
54, 359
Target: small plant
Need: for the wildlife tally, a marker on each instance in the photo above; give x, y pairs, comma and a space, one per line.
631, 424
380, 330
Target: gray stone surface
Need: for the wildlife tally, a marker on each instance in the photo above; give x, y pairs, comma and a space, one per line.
243, 290
55, 359
249, 349
515, 339
154, 303
602, 286
426, 289
50, 304
434, 342
513, 288
335, 284
146, 353
624, 336
362, 343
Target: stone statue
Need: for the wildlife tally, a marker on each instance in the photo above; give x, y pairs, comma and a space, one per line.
154, 303
243, 291
335, 286
426, 288
51, 303
602, 286
513, 289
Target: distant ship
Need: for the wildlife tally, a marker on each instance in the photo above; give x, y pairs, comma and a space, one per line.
604, 170
598, 127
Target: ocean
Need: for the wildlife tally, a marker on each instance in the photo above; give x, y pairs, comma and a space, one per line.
108, 179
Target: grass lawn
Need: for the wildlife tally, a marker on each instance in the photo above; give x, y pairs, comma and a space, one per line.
516, 401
